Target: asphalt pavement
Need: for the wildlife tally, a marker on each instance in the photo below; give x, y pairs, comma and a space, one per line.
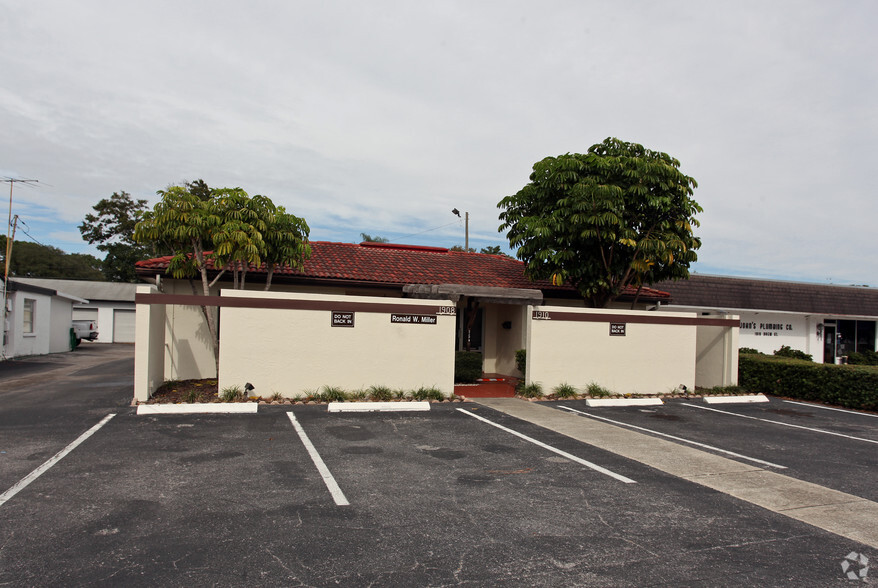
460, 495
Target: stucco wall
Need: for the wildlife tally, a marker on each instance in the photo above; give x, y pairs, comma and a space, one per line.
650, 358
716, 362
295, 351
149, 349
62, 322
502, 343
37, 343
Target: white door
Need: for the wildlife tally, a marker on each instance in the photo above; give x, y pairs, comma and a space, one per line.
123, 326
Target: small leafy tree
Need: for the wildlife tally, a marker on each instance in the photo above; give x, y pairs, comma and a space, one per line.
111, 227
619, 215
223, 228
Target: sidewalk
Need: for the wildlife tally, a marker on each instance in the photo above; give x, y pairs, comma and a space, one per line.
837, 512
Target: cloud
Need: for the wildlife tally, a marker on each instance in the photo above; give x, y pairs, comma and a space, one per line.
381, 117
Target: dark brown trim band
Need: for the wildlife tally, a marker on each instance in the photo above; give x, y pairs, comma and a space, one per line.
288, 304
651, 319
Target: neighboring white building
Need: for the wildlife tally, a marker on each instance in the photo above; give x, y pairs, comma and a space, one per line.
37, 321
109, 304
826, 321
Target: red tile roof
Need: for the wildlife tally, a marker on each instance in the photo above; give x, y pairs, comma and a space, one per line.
397, 265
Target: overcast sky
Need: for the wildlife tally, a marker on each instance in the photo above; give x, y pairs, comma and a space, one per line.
380, 117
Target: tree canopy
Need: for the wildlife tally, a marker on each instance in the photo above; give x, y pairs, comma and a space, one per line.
619, 215
235, 231
112, 228
32, 260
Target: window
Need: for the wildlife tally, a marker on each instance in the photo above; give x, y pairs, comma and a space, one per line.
27, 316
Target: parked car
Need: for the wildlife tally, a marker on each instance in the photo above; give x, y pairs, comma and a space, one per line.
85, 329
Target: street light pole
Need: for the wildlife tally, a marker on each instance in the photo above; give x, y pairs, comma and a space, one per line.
466, 225
10, 236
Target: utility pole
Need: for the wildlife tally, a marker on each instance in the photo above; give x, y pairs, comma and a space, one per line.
466, 227
10, 236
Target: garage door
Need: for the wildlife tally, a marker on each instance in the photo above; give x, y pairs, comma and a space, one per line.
123, 326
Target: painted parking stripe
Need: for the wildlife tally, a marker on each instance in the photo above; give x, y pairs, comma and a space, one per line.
745, 416
874, 416
24, 482
711, 447
337, 495
569, 456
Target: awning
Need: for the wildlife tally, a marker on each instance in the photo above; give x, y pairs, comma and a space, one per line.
485, 294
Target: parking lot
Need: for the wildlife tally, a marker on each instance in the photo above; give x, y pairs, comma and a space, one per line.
460, 495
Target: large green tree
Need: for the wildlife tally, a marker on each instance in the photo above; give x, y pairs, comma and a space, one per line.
111, 227
222, 228
615, 217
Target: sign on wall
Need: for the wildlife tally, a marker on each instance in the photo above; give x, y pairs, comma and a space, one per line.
413, 319
342, 319
617, 329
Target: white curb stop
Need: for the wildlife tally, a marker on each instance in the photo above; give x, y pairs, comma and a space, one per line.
748, 399
604, 402
199, 408
378, 406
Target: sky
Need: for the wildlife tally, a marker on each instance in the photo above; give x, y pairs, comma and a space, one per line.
381, 117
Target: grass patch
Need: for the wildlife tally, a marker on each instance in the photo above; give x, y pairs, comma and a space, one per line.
232, 394
531, 391
433, 393
565, 390
595, 390
380, 393
333, 394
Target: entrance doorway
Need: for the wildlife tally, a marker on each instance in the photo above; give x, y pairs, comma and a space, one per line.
829, 343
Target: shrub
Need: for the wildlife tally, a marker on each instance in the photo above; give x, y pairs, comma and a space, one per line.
428, 394
863, 358
749, 350
333, 394
843, 385
595, 390
380, 393
467, 367
531, 391
232, 394
521, 360
564, 390
787, 351
192, 396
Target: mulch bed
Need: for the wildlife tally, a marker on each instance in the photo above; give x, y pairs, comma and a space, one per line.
186, 391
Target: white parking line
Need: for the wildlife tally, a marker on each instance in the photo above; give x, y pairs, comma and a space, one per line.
874, 416
337, 495
569, 456
24, 482
744, 416
712, 448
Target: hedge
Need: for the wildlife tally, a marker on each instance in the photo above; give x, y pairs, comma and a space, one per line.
843, 385
467, 367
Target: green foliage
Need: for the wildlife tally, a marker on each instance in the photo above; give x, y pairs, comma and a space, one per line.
787, 351
232, 394
461, 249
112, 229
749, 350
842, 385
380, 393
595, 390
493, 250
863, 358
618, 216
32, 260
467, 367
564, 390
192, 396
333, 394
432, 393
533, 390
521, 360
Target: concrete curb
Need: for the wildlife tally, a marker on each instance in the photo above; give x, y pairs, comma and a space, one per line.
378, 406
747, 399
199, 408
603, 402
